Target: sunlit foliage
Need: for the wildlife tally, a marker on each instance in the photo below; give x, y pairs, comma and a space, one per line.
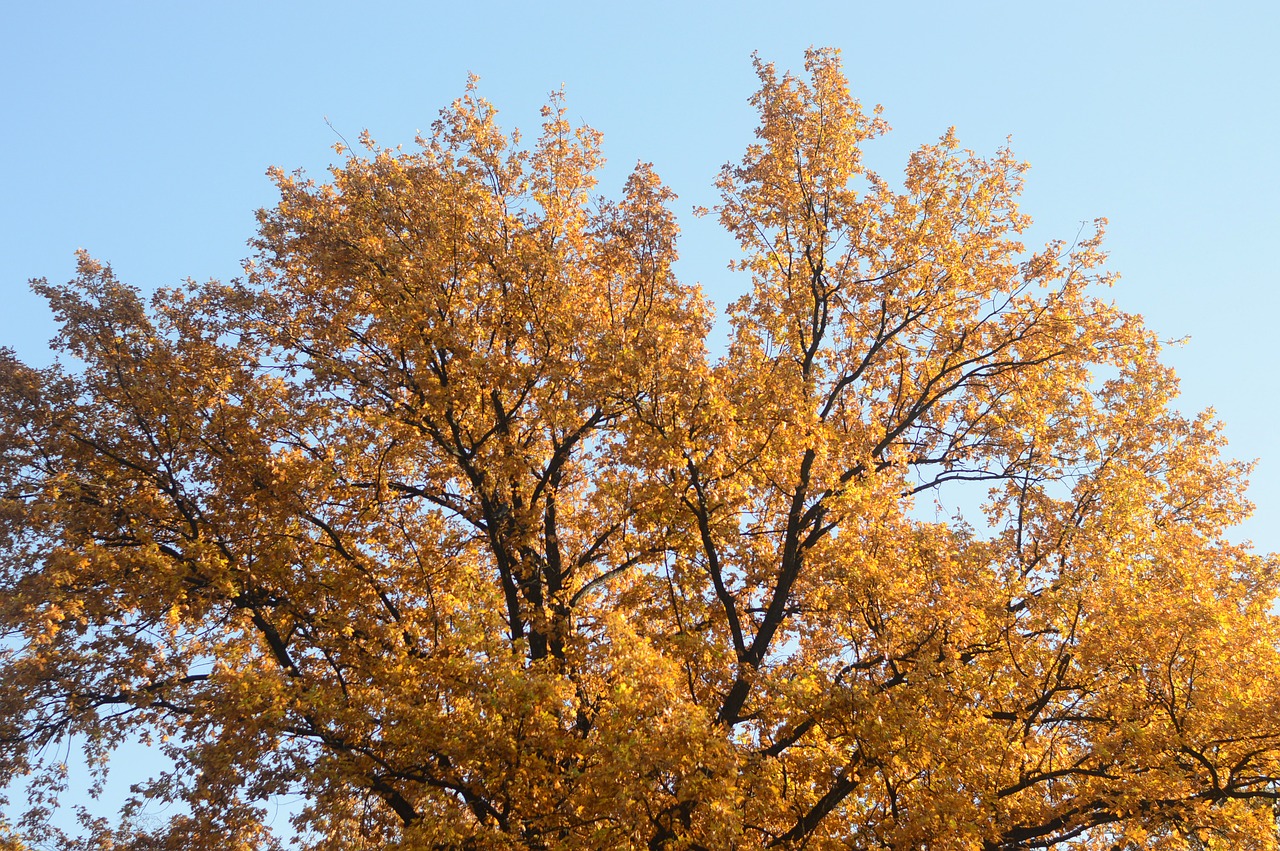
444, 520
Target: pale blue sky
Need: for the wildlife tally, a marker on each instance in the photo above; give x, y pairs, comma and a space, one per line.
142, 131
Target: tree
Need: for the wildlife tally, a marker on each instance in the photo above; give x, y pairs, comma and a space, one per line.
443, 519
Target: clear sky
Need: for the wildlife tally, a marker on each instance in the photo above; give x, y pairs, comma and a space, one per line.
141, 132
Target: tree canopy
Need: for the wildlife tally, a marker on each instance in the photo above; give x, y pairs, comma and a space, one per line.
444, 520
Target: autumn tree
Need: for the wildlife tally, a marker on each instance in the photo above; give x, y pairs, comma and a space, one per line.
444, 520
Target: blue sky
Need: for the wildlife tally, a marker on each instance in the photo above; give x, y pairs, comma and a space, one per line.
142, 131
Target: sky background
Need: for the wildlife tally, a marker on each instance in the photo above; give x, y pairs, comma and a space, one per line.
142, 132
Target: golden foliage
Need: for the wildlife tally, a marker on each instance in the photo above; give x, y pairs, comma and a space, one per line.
443, 520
